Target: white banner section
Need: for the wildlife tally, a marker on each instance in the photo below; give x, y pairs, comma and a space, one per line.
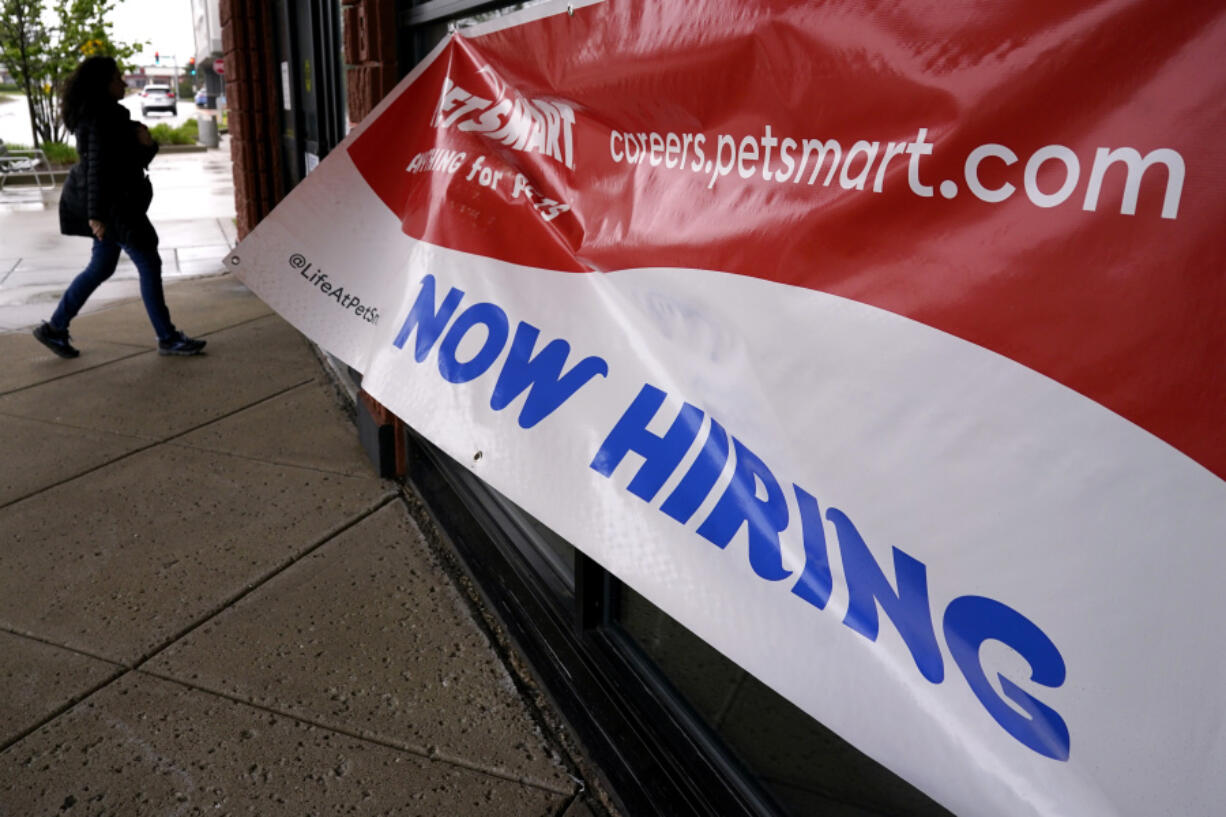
1002, 591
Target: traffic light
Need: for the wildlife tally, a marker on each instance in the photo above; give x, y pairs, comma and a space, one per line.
191, 66
157, 58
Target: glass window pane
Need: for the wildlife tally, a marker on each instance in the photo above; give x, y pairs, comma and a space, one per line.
540, 545
560, 552
806, 767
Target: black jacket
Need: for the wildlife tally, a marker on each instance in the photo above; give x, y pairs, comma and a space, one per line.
109, 182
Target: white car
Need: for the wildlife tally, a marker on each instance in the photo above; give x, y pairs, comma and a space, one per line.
158, 98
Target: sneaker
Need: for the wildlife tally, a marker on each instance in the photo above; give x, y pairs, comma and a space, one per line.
181, 345
56, 340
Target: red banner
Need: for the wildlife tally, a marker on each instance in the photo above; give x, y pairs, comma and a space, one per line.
1013, 177
879, 345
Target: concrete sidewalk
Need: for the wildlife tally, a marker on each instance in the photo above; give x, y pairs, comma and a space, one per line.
208, 604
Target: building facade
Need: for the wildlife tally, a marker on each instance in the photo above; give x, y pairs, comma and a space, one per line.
675, 727
210, 70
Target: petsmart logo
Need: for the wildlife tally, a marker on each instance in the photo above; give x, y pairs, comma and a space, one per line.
530, 125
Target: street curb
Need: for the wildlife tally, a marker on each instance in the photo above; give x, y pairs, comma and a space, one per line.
58, 176
28, 179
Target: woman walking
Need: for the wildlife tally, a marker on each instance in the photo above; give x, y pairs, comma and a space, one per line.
106, 197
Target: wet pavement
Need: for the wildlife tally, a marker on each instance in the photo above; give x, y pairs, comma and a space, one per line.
209, 604
193, 211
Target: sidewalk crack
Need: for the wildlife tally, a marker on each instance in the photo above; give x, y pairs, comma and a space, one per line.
12, 269
370, 737
152, 444
72, 702
256, 584
59, 646
143, 350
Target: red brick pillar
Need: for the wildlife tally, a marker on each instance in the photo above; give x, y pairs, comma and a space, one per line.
373, 71
370, 52
383, 436
247, 32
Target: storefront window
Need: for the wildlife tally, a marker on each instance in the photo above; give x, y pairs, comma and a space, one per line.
807, 768
542, 545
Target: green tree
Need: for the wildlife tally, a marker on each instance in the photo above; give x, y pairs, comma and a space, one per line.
41, 49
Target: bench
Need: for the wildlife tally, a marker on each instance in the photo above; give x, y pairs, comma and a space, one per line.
25, 161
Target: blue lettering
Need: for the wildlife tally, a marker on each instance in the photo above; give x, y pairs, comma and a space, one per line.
428, 322
661, 455
548, 388
815, 583
495, 322
699, 480
740, 505
972, 620
908, 608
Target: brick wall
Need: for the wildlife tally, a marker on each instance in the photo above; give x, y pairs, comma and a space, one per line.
247, 31
372, 72
370, 53
252, 86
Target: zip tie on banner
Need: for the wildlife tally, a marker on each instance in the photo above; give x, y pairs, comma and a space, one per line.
570, 9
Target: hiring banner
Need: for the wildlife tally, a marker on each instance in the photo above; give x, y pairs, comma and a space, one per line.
880, 346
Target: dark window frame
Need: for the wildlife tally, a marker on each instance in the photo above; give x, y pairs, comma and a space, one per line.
658, 755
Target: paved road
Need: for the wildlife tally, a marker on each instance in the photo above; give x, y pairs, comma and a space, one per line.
186, 110
15, 117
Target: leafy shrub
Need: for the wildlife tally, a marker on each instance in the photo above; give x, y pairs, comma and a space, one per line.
185, 134
161, 133
59, 153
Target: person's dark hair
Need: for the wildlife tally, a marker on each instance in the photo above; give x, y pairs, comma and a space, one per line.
86, 89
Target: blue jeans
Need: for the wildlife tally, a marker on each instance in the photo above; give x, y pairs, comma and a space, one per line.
102, 262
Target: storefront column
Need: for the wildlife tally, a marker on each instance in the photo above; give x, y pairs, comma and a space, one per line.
246, 28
